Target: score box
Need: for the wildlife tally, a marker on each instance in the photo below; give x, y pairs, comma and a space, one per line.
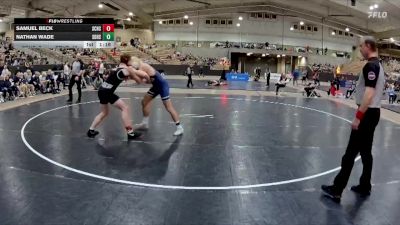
108, 27
108, 36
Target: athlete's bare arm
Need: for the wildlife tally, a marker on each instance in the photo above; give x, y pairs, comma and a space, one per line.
137, 75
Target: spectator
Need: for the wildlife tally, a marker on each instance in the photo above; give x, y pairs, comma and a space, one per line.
35, 81
337, 83
392, 94
43, 82
5, 88
304, 77
316, 78
223, 75
281, 83
351, 90
25, 80
257, 71
51, 82
201, 70
12, 85
5, 71
189, 73
309, 89
296, 75
268, 75
101, 69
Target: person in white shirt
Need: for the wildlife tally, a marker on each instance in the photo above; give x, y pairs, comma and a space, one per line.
102, 69
282, 83
5, 71
67, 70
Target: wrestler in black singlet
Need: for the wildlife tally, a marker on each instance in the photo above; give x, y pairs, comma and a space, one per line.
107, 89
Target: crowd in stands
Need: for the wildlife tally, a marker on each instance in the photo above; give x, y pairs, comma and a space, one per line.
392, 67
268, 46
12, 57
189, 59
328, 68
27, 83
74, 51
171, 56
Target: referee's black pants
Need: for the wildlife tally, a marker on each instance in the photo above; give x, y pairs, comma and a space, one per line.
360, 142
78, 83
190, 81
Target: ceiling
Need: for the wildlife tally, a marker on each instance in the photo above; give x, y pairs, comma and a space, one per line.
335, 13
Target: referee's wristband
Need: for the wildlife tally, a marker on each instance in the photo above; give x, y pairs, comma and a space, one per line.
360, 115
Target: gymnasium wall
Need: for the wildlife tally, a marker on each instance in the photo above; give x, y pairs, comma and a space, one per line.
255, 31
4, 27
145, 35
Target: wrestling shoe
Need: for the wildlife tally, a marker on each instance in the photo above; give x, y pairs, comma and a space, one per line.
331, 192
363, 192
133, 135
179, 130
92, 133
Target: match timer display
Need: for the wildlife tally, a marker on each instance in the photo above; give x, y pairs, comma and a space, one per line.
64, 33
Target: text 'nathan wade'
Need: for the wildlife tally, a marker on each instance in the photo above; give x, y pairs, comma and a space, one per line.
34, 37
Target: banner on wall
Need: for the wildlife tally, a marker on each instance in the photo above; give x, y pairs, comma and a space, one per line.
275, 77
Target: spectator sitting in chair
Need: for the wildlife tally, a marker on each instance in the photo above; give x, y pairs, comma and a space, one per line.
43, 82
5, 88
35, 81
21, 84
309, 88
351, 90
282, 83
14, 86
25, 80
61, 78
50, 86
304, 77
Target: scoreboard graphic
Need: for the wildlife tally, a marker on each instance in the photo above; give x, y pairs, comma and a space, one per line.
64, 33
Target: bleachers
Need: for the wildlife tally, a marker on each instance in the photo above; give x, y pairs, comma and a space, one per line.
354, 67
67, 55
148, 58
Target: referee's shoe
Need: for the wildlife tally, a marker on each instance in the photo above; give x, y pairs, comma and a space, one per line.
331, 192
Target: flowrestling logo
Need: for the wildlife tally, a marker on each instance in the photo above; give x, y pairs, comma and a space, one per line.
377, 15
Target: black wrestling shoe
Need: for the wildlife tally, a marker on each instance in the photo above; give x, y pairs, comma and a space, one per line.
92, 133
363, 192
78, 101
331, 192
69, 101
134, 135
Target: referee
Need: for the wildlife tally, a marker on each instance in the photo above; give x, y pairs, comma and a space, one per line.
368, 98
76, 77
